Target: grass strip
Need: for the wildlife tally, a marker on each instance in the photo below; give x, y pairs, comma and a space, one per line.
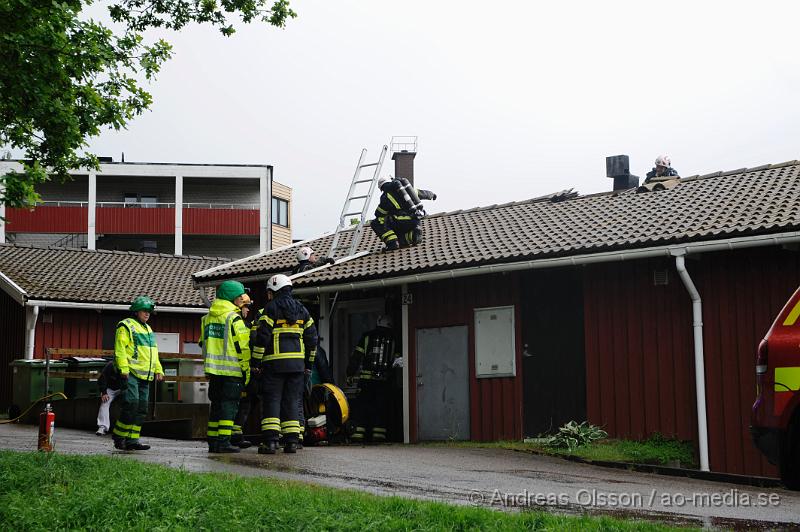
655, 450
62, 492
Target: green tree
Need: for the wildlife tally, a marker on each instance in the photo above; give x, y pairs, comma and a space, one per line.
65, 77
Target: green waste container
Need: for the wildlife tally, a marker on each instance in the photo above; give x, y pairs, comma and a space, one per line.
168, 390
28, 382
83, 388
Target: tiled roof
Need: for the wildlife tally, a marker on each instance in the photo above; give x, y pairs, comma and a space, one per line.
62, 274
714, 206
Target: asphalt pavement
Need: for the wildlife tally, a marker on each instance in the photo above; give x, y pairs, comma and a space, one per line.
495, 478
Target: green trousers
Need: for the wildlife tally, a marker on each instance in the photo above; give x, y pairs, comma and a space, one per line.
224, 393
134, 409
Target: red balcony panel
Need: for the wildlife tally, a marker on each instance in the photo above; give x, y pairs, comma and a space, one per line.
136, 221
220, 221
47, 219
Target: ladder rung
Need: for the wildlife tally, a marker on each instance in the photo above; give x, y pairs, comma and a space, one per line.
352, 213
364, 181
358, 197
368, 165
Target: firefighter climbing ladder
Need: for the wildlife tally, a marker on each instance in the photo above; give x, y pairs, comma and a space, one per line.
356, 194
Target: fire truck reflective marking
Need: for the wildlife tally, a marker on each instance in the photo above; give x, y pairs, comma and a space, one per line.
787, 379
791, 319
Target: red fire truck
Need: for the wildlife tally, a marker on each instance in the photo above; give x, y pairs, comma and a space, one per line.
775, 419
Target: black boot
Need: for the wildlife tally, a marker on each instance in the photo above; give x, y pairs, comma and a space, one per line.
290, 447
228, 448
244, 444
136, 446
119, 443
391, 246
269, 447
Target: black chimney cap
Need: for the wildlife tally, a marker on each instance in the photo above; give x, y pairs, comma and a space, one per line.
618, 166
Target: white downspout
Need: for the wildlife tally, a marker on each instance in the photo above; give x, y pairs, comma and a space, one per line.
406, 390
699, 362
31, 317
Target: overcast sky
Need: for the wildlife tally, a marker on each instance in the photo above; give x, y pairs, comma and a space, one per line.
510, 100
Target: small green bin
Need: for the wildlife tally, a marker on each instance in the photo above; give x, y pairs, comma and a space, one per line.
168, 390
28, 381
83, 388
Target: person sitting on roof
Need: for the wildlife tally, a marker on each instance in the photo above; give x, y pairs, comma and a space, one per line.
399, 211
307, 260
662, 171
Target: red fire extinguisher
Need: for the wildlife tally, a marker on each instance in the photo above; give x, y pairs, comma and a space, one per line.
47, 424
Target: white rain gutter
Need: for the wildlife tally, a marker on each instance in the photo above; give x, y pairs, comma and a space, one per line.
31, 316
594, 258
699, 362
109, 306
406, 376
12, 289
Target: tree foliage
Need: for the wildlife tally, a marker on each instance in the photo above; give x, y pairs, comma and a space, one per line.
65, 77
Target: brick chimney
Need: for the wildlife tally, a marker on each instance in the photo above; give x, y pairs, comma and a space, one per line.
618, 167
404, 149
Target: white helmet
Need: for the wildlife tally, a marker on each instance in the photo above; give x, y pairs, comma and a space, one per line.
304, 253
383, 180
384, 321
663, 160
276, 282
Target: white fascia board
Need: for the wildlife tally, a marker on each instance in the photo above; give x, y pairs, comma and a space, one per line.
188, 170
111, 306
12, 289
689, 248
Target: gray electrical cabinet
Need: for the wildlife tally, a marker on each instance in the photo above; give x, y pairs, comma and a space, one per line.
495, 346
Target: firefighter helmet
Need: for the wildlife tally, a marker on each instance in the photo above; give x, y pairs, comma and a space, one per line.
384, 321
142, 303
383, 180
663, 160
276, 282
304, 253
246, 301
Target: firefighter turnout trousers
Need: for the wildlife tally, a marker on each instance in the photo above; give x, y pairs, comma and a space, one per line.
224, 393
370, 411
404, 229
281, 394
135, 394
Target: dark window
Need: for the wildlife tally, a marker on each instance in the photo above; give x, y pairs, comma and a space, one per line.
280, 212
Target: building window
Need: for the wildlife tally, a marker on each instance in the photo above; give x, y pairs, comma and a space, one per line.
280, 212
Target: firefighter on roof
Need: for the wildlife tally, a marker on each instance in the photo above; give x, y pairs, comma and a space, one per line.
287, 340
225, 340
373, 360
307, 260
136, 360
399, 211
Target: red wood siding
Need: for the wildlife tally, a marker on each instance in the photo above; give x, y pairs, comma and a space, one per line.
496, 403
47, 219
640, 353
12, 347
742, 293
639, 363
220, 221
83, 329
137, 221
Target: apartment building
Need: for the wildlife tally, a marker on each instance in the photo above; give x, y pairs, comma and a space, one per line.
183, 209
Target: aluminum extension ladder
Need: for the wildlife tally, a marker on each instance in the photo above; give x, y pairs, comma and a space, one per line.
355, 194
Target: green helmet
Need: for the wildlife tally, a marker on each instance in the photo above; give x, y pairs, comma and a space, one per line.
143, 303
230, 290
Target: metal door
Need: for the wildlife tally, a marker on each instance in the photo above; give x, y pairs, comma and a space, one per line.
442, 384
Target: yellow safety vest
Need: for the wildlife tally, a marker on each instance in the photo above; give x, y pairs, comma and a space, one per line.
135, 350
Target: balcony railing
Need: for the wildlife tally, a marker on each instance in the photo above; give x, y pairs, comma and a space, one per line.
157, 205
